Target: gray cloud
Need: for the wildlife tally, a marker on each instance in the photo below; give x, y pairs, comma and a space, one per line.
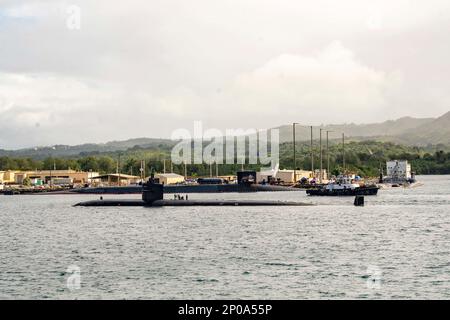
145, 68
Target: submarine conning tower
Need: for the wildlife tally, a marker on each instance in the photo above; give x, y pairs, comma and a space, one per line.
152, 191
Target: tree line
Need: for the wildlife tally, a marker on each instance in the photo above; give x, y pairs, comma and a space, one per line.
364, 158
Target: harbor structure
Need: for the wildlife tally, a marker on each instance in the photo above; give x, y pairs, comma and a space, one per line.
293, 145
285, 176
328, 152
343, 152
169, 178
8, 177
228, 178
398, 171
114, 179
2, 174
320, 151
47, 177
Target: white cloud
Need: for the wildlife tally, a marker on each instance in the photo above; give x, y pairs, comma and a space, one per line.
329, 86
43, 109
144, 68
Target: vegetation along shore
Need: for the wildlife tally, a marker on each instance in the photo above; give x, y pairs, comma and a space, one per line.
362, 157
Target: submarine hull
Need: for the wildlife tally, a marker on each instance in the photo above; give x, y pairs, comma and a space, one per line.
205, 188
186, 203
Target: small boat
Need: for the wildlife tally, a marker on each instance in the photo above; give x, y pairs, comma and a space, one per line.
343, 187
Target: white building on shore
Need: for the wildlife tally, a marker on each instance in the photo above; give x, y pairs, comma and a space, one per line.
398, 170
285, 176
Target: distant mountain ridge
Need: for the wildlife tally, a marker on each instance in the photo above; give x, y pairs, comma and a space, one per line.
407, 130
435, 132
88, 148
387, 128
390, 128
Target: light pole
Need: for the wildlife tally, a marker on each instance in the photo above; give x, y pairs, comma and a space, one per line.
210, 168
312, 154
51, 175
320, 148
143, 163
328, 157
118, 171
343, 153
142, 171
295, 159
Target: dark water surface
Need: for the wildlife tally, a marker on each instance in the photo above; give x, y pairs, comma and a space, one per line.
397, 246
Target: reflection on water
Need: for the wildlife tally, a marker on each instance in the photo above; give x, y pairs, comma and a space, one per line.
397, 246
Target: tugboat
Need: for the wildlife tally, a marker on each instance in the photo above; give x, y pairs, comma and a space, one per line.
343, 187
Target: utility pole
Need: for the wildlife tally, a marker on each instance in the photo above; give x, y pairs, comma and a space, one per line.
320, 148
171, 166
118, 171
343, 152
51, 178
328, 157
185, 170
143, 161
312, 153
164, 165
210, 168
142, 170
217, 169
295, 159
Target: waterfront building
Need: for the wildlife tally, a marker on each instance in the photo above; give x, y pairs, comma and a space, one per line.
115, 179
53, 176
398, 170
284, 176
7, 177
39, 177
169, 178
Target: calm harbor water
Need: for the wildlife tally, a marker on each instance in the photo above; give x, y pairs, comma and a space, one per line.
397, 246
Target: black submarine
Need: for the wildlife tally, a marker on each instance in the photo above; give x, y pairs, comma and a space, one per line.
245, 183
153, 196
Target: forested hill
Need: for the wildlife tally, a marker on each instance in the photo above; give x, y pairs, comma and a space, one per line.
408, 131
362, 157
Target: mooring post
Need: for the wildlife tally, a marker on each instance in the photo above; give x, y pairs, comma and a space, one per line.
359, 201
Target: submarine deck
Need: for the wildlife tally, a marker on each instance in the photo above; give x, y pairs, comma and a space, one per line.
187, 203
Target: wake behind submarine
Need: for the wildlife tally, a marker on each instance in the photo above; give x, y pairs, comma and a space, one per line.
153, 196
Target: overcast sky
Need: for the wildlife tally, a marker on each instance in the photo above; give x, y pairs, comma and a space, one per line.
140, 68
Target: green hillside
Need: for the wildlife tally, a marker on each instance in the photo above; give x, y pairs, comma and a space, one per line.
362, 157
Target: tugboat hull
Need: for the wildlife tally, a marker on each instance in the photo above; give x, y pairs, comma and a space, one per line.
363, 191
